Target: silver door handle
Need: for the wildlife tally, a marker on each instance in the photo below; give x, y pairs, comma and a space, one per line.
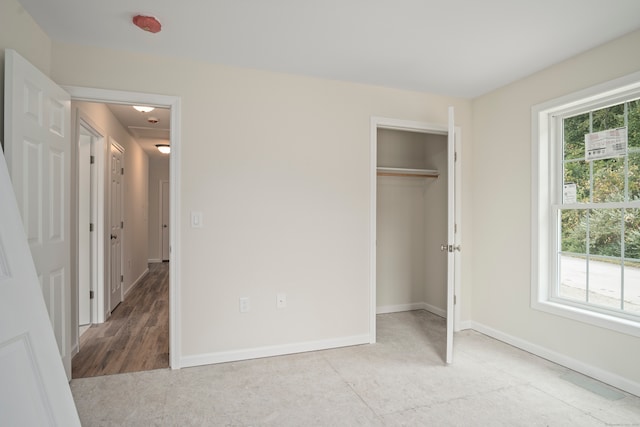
450, 248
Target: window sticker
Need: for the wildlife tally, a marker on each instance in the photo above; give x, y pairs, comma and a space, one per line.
569, 194
606, 144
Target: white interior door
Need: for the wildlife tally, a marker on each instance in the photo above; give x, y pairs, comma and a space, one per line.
84, 221
116, 224
451, 247
164, 220
37, 149
34, 389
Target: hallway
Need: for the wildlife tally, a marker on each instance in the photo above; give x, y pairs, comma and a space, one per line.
135, 337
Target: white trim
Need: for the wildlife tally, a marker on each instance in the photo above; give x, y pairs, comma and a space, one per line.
160, 214
544, 171
136, 282
410, 307
270, 351
592, 371
174, 103
99, 252
464, 325
398, 308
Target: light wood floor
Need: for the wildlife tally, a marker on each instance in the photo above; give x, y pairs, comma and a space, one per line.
135, 337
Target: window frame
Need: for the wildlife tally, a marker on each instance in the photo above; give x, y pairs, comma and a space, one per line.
546, 170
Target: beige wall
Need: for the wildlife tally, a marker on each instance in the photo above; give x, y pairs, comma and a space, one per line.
279, 166
158, 170
411, 222
18, 31
501, 227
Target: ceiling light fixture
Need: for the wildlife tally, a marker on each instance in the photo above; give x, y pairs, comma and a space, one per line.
163, 148
143, 108
147, 23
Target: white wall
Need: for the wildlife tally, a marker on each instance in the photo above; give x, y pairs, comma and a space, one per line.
158, 170
411, 223
279, 166
501, 208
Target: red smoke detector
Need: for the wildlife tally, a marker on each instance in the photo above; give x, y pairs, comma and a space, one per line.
147, 23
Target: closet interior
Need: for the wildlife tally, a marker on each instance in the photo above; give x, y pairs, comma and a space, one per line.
411, 221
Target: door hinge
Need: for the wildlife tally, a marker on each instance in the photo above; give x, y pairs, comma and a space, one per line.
455, 300
121, 224
92, 159
91, 295
455, 156
122, 171
121, 278
455, 228
90, 226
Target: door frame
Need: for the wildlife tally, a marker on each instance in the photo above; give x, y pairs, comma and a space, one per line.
161, 215
174, 103
97, 200
419, 127
109, 261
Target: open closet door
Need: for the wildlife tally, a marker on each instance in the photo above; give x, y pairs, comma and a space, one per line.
451, 246
38, 154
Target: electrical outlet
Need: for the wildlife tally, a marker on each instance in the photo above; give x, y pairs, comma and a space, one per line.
281, 300
245, 306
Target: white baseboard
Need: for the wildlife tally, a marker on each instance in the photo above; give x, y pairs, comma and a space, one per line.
594, 372
135, 283
154, 261
276, 350
409, 307
466, 324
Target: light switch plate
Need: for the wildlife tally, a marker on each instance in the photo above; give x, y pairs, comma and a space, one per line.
196, 219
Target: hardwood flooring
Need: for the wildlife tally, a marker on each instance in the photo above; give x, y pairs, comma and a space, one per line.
135, 337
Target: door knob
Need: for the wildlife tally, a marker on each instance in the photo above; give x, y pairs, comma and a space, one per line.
113, 236
164, 226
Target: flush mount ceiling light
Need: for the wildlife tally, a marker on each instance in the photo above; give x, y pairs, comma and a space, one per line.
163, 148
143, 108
147, 23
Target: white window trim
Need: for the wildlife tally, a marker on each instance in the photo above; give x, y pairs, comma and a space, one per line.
543, 170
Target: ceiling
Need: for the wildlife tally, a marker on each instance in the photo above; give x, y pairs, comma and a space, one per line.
146, 133
461, 48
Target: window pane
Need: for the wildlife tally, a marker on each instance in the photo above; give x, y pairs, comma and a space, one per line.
634, 176
573, 278
574, 231
608, 118
577, 172
575, 129
605, 283
634, 123
608, 180
605, 230
632, 235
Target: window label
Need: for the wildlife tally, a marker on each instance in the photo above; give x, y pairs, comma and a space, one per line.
606, 144
569, 194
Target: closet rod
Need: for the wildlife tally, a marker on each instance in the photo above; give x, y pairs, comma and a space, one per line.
403, 172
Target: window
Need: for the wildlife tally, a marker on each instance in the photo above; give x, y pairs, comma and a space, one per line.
586, 206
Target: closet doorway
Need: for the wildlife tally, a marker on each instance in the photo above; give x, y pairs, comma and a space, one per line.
416, 227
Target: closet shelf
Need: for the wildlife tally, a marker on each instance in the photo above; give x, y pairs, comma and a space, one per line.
416, 173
